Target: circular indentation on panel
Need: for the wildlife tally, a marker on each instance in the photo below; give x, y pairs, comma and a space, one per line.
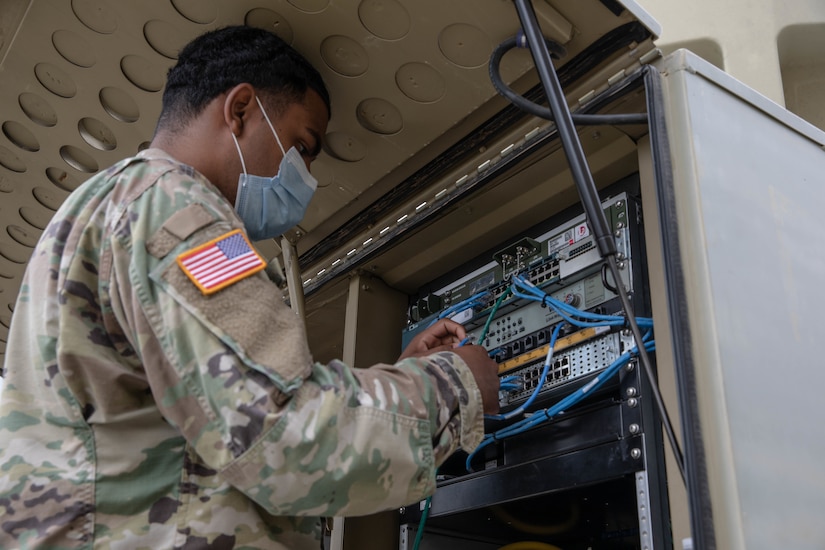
6, 269
344, 55
310, 6
50, 198
198, 11
97, 134
386, 19
11, 161
142, 73
37, 109
379, 116
5, 319
36, 217
143, 146
62, 179
7, 185
465, 45
26, 237
344, 147
271, 21
119, 104
78, 159
55, 79
20, 136
164, 38
73, 48
96, 15
14, 253
420, 82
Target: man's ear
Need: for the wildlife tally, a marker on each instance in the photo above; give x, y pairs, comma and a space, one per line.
237, 106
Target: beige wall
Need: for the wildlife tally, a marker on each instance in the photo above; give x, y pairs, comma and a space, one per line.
774, 46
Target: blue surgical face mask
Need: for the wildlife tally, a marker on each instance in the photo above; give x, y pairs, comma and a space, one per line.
270, 206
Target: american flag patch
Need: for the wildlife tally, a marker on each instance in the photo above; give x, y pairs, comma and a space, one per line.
221, 262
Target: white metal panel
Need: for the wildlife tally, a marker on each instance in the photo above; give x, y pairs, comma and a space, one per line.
749, 196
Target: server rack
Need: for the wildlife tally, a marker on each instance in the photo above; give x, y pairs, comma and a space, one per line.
592, 477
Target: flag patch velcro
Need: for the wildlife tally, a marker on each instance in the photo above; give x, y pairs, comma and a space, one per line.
221, 262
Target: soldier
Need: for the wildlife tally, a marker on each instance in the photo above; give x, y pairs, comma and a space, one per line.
159, 393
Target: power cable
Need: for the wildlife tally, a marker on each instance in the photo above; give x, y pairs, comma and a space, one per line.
541, 111
585, 185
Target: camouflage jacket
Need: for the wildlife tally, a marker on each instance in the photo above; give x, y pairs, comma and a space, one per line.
139, 412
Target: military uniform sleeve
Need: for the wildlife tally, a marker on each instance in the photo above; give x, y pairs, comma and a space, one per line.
232, 372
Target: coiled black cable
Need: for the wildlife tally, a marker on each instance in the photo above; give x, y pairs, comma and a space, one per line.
557, 52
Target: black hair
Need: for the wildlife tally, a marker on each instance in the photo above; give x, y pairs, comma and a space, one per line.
219, 60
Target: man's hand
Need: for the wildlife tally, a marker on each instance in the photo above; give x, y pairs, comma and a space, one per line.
446, 335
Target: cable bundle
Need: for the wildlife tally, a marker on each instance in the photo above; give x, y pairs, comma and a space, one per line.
524, 289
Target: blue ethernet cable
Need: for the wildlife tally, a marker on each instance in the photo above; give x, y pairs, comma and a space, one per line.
476, 300
524, 289
545, 369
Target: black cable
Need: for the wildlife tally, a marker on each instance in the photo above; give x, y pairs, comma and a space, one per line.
541, 111
606, 284
567, 130
589, 196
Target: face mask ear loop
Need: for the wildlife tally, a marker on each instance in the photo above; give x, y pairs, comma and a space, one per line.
238, 147
271, 127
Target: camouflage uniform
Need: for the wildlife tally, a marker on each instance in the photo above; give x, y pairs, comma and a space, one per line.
139, 413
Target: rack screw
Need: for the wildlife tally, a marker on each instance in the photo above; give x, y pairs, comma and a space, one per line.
632, 402
636, 453
631, 392
634, 428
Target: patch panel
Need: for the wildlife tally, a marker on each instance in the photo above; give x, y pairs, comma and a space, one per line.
575, 363
579, 250
520, 326
498, 290
531, 377
544, 272
558, 261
